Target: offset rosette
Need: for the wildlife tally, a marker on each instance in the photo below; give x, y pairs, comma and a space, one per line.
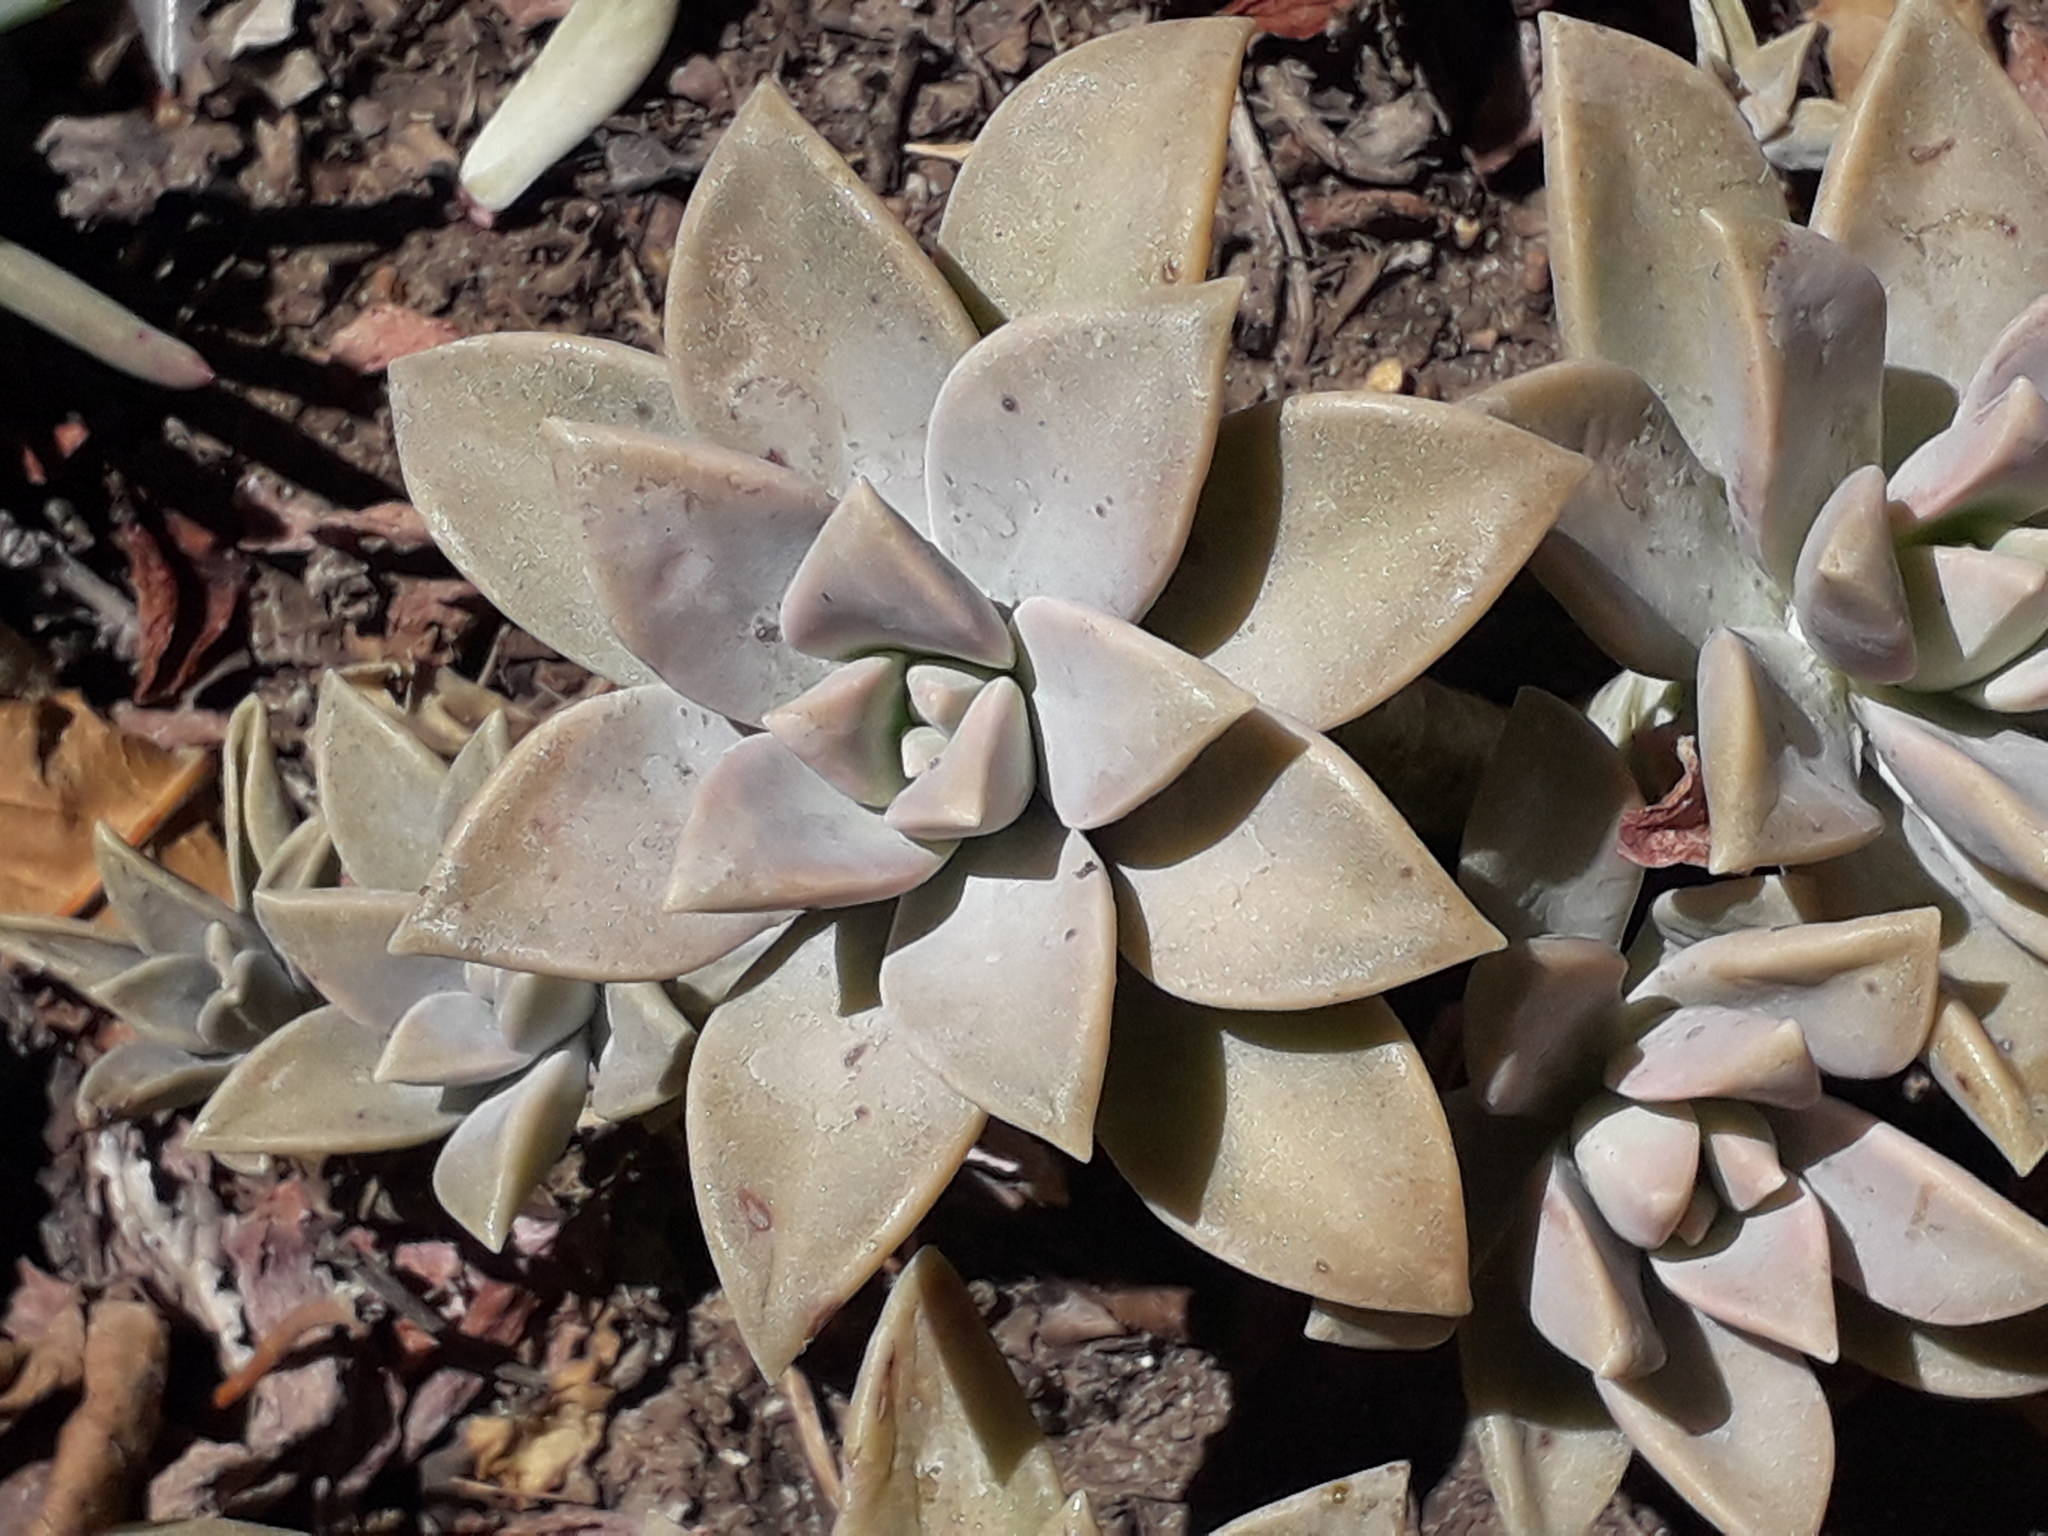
1820, 457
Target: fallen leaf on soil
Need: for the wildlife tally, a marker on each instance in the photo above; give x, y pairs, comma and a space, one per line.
103, 1444
1854, 29
118, 166
62, 769
1674, 830
155, 586
160, 607
427, 617
383, 333
528, 14
540, 1450
1298, 19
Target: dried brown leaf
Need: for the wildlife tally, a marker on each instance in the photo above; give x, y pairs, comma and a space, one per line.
103, 1444
63, 768
1674, 830
155, 585
1299, 19
383, 333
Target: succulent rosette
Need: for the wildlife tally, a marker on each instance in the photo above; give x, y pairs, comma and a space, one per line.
999, 656
406, 1050
195, 977
1670, 1212
1820, 456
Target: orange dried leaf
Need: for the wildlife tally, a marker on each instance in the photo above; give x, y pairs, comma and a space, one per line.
63, 768
1298, 19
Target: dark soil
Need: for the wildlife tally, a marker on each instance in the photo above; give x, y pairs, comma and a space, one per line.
1392, 234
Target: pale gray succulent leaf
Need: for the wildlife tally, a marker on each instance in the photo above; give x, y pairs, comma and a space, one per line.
1939, 181
645, 1059
1909, 1228
1274, 874
561, 863
310, 1090
939, 1437
818, 1138
1000, 973
141, 1077
1711, 1051
1541, 850
1766, 1271
870, 581
493, 1161
1639, 1163
1096, 179
469, 769
162, 997
1988, 466
339, 939
1736, 1424
467, 418
1242, 1133
766, 834
2004, 1359
536, 1013
1304, 544
1331, 1322
1068, 449
848, 728
449, 1040
804, 324
1370, 1503
1974, 611
982, 778
1982, 781
1739, 1153
1584, 1286
159, 912
256, 814
1120, 713
79, 954
380, 788
689, 547
1847, 589
1539, 1017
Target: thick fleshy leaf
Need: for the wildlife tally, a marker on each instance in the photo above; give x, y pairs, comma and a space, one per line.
2021, 689
1361, 529
2019, 910
310, 1090
1739, 1153
303, 860
1991, 1360
1373, 1503
1274, 874
983, 778
1985, 1082
1639, 1163
689, 548
1585, 1290
766, 833
380, 789
1096, 179
1068, 449
81, 955
1713, 1052
1637, 144
1988, 467
1552, 1456
847, 728
1973, 610
1985, 786
470, 769
2020, 351
505, 1146
163, 997
1694, 912
1541, 852
1847, 590
1700, 1210
648, 1043
939, 1437
257, 994
818, 1138
1777, 755
339, 939
1939, 182
1000, 972
1911, 1230
1076, 1517
1308, 1150
1916, 406
467, 417
1644, 555
449, 1040
535, 1012
1737, 1425
1863, 992
804, 324
1120, 713
1766, 1272
922, 745
1331, 1322
872, 582
255, 811
939, 694
1539, 1016
561, 863
140, 1077
1800, 367
160, 913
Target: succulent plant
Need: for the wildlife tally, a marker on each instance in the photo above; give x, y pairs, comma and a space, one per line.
1817, 452
408, 1050
1664, 1197
999, 656
1795, 132
195, 977
940, 1438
